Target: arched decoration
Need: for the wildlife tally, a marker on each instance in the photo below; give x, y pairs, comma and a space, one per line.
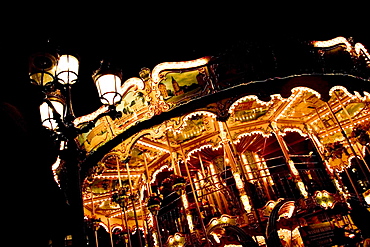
157, 75
333, 42
183, 121
207, 146
358, 48
231, 233
354, 96
135, 120
158, 171
117, 226
247, 103
301, 131
179, 82
271, 230
192, 126
104, 226
266, 210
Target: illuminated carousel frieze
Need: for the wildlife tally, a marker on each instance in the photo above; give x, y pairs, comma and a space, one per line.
205, 153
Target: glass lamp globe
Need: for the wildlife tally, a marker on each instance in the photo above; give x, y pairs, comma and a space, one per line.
67, 69
108, 86
46, 112
42, 67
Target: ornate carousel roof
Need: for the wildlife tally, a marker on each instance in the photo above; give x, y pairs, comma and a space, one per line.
184, 110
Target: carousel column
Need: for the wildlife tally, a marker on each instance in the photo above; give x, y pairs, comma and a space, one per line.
350, 146
245, 191
293, 170
124, 220
183, 197
204, 177
359, 153
181, 189
319, 147
154, 205
229, 151
110, 231
333, 174
174, 164
123, 203
149, 188
132, 196
217, 183
95, 224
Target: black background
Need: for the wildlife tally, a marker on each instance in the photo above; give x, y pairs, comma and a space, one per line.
130, 37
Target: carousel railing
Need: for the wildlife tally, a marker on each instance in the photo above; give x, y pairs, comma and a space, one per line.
217, 194
172, 220
284, 185
316, 179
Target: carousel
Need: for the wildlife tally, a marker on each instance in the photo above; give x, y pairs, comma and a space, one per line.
257, 146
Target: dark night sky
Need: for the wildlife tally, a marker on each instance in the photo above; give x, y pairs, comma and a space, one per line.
141, 40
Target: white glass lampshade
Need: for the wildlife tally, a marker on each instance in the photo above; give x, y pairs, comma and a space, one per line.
108, 86
47, 115
67, 69
42, 68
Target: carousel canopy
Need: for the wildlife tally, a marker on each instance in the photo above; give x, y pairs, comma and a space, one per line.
184, 109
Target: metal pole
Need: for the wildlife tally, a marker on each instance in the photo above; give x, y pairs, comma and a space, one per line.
110, 232
133, 204
142, 218
93, 216
74, 195
195, 197
127, 226
177, 169
118, 172
96, 237
246, 188
147, 174
158, 230
333, 175
123, 208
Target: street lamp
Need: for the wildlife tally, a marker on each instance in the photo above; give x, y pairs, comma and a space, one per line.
55, 74
55, 104
42, 67
108, 83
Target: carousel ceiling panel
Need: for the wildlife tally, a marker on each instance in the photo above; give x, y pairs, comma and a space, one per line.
301, 105
192, 126
253, 143
249, 108
102, 186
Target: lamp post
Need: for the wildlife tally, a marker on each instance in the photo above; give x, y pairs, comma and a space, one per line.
55, 74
